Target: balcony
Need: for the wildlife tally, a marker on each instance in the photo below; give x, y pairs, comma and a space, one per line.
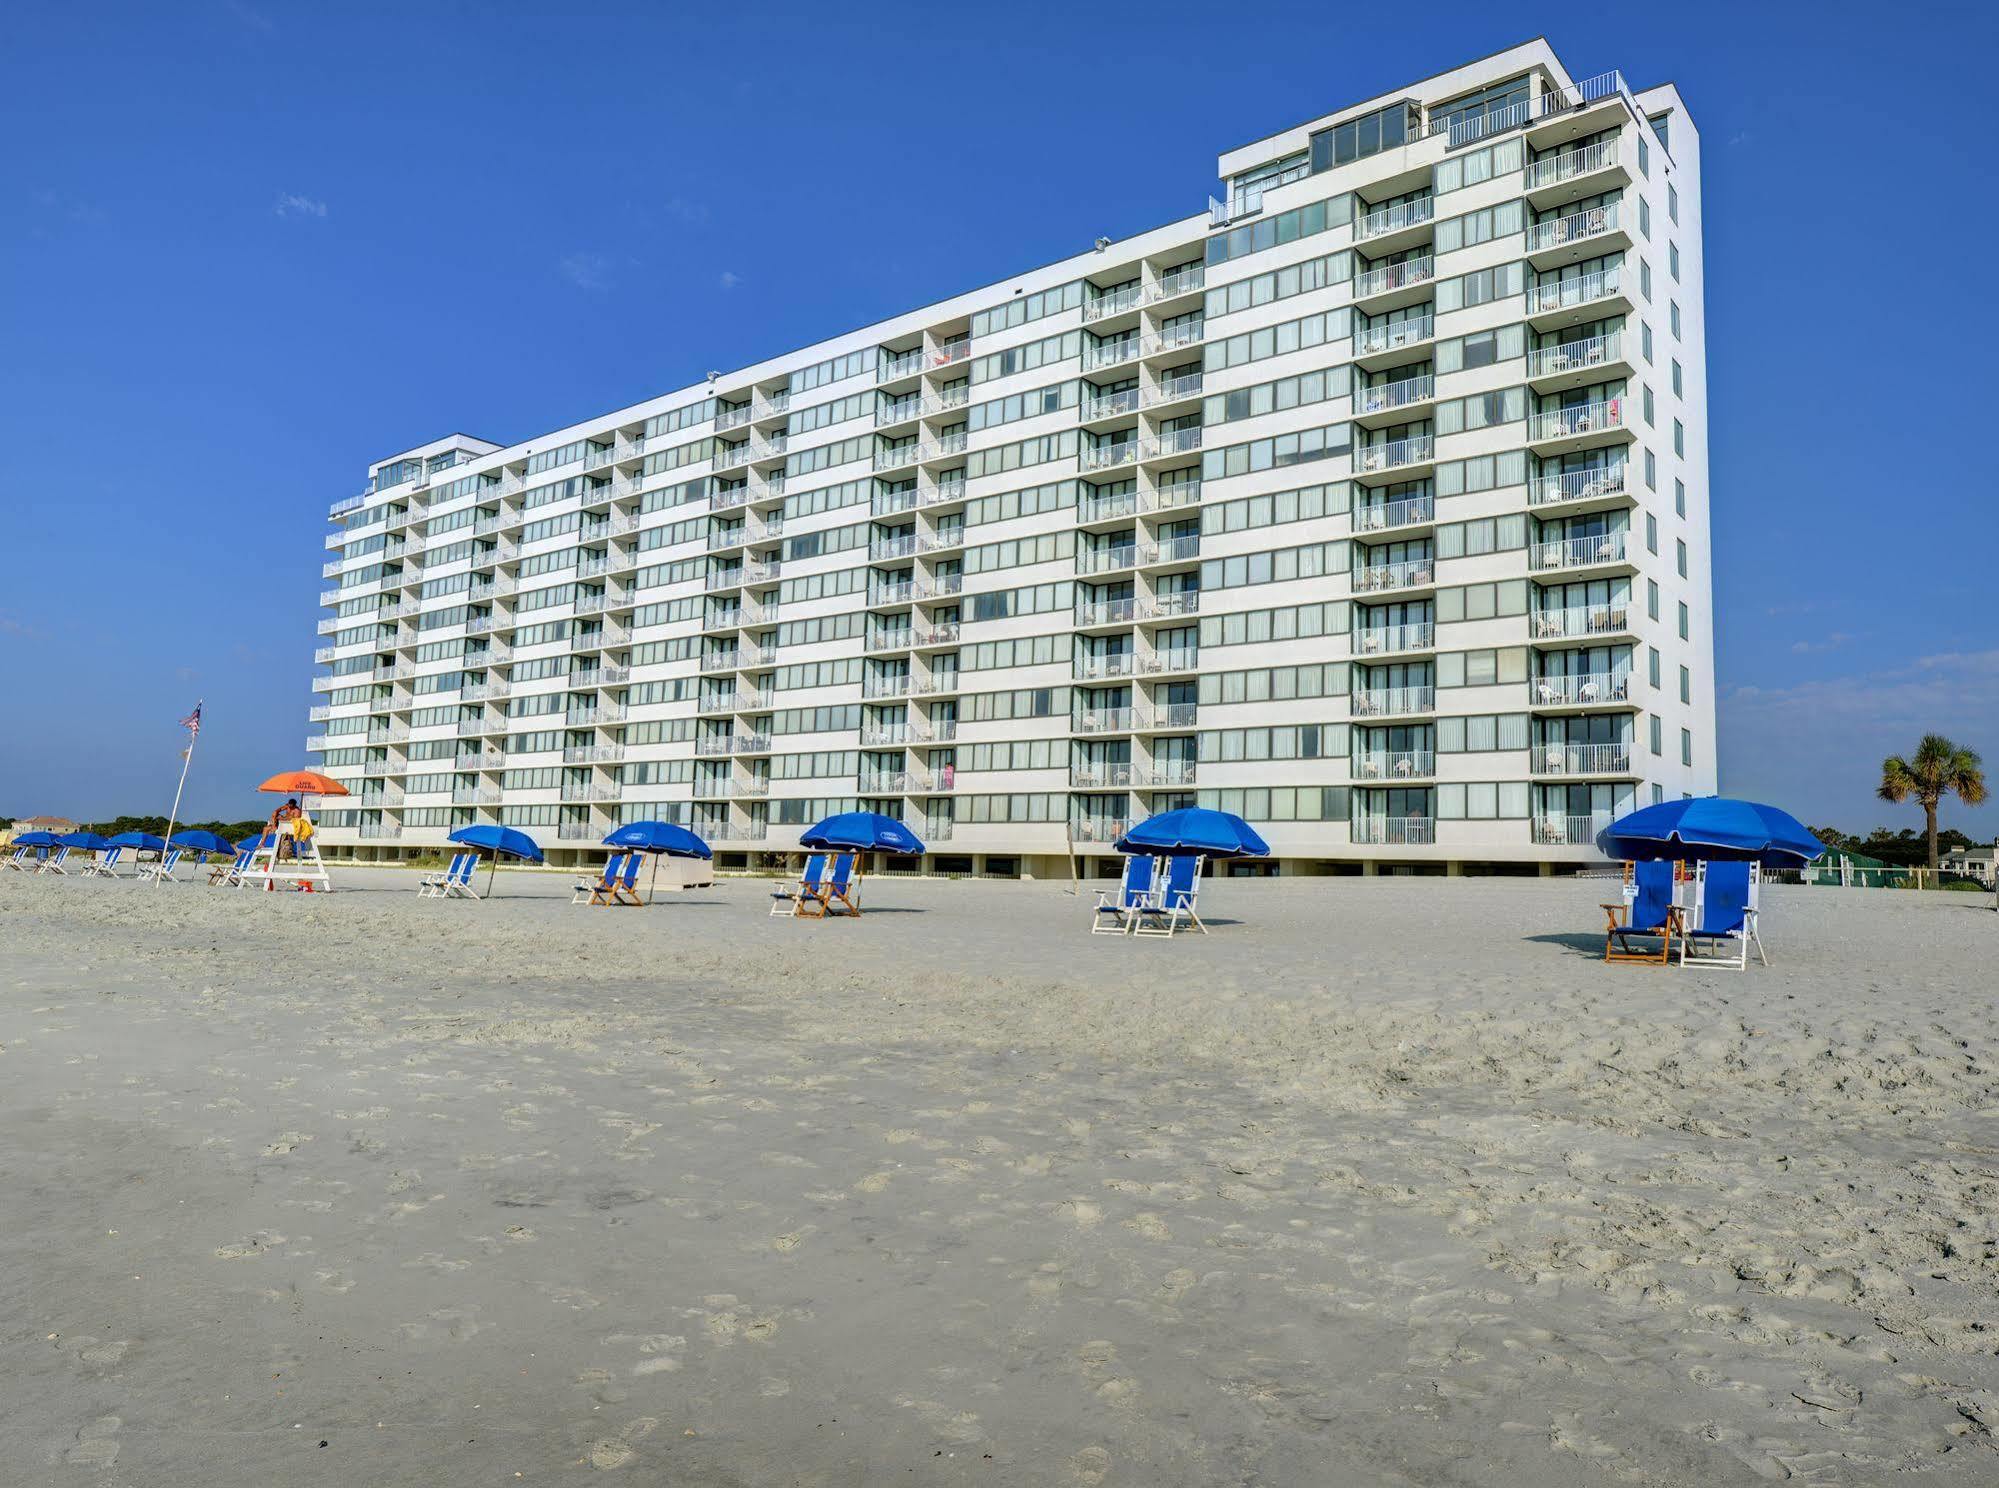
1394, 335
1187, 336
746, 743
1107, 612
1572, 361
1555, 300
1385, 640
1169, 775
1117, 302
1104, 829
1108, 720
1172, 606
1111, 506
479, 759
885, 687
1575, 426
1395, 454
1391, 397
1568, 831
1109, 456
1580, 759
320, 712
894, 368
1109, 665
1395, 831
1376, 578
1170, 446
949, 353
885, 549
893, 782
378, 768
889, 640
1170, 551
1100, 777
1566, 166
332, 624
593, 754
1185, 280
713, 746
1579, 690
479, 692
471, 728
1394, 764
941, 492
474, 795
1106, 560
1111, 353
380, 831
1092, 410
1579, 623
1584, 233
1389, 702
1398, 219
1403, 282
576, 790
929, 637
1182, 389
891, 596
750, 789
603, 713
573, 831
1601, 483
1386, 515
1606, 548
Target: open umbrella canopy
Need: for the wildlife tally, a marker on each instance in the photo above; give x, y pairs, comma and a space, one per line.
88, 841
1195, 829
1711, 827
144, 841
302, 783
194, 839
498, 840
253, 841
862, 831
659, 837
38, 839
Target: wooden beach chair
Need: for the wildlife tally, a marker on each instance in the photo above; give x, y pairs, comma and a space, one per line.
1652, 912
1172, 904
789, 902
625, 890
1722, 926
1118, 910
581, 891
617, 882
837, 887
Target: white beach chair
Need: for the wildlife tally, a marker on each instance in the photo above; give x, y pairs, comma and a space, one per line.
1172, 904
438, 885
53, 863
1722, 924
458, 878
163, 871
1118, 910
19, 861
231, 874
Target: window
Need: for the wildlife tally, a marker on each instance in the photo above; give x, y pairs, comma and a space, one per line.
1675, 307
1644, 218
1672, 202
1651, 471
1679, 438
1679, 382
1680, 543
1645, 278
1645, 339
1644, 158
1645, 401
1686, 686
1651, 533
1652, 665
1658, 795
1370, 134
1658, 731
1680, 497
1673, 261
1476, 115
1686, 746
1652, 598
1683, 620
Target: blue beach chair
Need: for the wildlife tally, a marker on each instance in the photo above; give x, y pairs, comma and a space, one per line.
1172, 903
19, 862
1652, 912
584, 889
789, 902
1723, 924
163, 870
619, 884
1117, 912
438, 885
232, 873
840, 886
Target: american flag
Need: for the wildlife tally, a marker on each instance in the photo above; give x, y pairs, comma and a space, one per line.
192, 723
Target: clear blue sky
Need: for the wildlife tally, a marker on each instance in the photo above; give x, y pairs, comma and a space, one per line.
248, 247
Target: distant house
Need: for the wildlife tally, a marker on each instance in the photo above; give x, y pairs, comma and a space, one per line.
1981, 863
57, 824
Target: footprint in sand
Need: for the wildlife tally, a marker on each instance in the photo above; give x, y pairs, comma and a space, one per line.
96, 1444
1089, 1466
874, 1182
287, 1143
612, 1452
1149, 1225
256, 1245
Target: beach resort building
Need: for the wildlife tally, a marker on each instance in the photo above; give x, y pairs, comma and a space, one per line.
1369, 501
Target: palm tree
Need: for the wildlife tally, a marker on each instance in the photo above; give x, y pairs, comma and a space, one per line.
1939, 769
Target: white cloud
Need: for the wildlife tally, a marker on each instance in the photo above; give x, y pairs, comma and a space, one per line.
586, 270
291, 204
1831, 643
729, 279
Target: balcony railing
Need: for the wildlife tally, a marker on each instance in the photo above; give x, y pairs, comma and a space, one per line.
1106, 405
1172, 716
1408, 574
1107, 507
581, 831
1381, 640
1575, 356
1580, 759
1390, 335
479, 759
1109, 720
1575, 227
1381, 702
1394, 764
1593, 620
1584, 418
1577, 552
1178, 602
1170, 775
905, 365
945, 634
1395, 831
1172, 659
1111, 353
1380, 516
1114, 303
1105, 456
889, 640
1107, 559
883, 548
1568, 831
1107, 612
941, 492
1183, 280
1394, 454
1563, 165
1111, 664
1099, 828
1100, 777
1579, 689
1163, 446
593, 754
748, 743
1394, 217
1385, 396
1572, 290
474, 795
1577, 485
381, 831
1384, 277
885, 687
1173, 389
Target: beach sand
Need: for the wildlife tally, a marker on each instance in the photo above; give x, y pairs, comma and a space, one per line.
1386, 1181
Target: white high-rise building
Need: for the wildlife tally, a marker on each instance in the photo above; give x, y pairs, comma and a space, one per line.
1370, 503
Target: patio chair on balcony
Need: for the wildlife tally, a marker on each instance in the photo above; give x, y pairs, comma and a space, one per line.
1117, 911
585, 890
1722, 926
1653, 913
789, 901
841, 886
1173, 904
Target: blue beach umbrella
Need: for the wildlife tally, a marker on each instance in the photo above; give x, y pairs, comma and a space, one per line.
1711, 828
863, 831
38, 839
1195, 829
143, 841
88, 841
497, 841
194, 839
254, 841
661, 840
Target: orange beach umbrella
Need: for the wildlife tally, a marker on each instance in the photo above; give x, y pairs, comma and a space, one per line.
303, 783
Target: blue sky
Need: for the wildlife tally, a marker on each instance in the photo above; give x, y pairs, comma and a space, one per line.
247, 247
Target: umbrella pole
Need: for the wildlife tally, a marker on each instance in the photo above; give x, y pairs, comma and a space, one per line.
652, 888
492, 873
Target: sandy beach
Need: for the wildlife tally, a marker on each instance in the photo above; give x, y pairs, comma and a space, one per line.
1386, 1181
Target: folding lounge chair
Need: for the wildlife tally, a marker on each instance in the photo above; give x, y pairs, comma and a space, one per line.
1118, 911
433, 886
1173, 903
163, 870
19, 861
838, 886
619, 888
53, 863
584, 889
232, 873
790, 901
104, 865
1652, 913
1724, 917
458, 878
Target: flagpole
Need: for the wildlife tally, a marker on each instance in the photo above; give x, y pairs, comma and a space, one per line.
186, 760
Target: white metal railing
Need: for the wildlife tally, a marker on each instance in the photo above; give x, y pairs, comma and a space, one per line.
1104, 665
941, 492
1172, 659
935, 683
1393, 454
474, 795
893, 594
1464, 129
1564, 165
1108, 720
1183, 280
889, 640
1568, 831
1384, 277
376, 767
1114, 303
1106, 611
1583, 418
891, 547
1104, 456
942, 540
1575, 227
1580, 95
1376, 702
947, 400
1108, 405
895, 459
1175, 442
751, 743
710, 746
942, 586
902, 411
1173, 389
1383, 396
1172, 550
479, 759
1587, 620
1380, 516
1100, 777
1173, 716
951, 351
1579, 689
1168, 776
1394, 217
1380, 640
758, 785
885, 687
1571, 290
905, 365
1176, 337
1391, 335
1572, 356
1106, 507
945, 634
1404, 574
381, 831
1393, 764
945, 446
1577, 552
1099, 828
1178, 602
1577, 485
1579, 759
1395, 831
1111, 353
1105, 560
593, 754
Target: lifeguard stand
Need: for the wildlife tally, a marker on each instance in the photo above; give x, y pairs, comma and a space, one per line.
303, 869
